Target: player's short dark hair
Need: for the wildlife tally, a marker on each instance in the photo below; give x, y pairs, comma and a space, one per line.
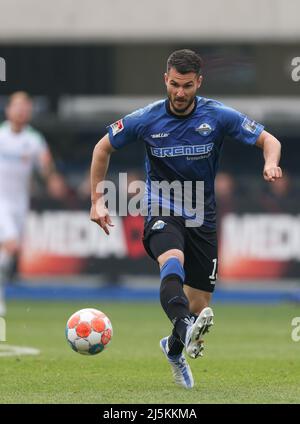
185, 61
19, 95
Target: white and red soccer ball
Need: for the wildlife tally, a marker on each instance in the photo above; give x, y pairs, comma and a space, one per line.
89, 331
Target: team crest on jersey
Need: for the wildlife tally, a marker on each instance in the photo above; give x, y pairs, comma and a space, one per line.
249, 125
117, 127
204, 129
159, 225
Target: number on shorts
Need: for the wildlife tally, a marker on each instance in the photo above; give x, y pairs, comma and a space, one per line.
213, 275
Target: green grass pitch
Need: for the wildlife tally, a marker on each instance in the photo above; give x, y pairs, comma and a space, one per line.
249, 357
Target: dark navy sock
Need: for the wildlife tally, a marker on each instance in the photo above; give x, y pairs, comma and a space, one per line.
175, 344
172, 298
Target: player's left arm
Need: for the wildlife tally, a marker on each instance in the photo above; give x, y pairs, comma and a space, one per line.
271, 150
46, 163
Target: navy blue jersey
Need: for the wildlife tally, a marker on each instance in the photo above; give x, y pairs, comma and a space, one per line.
184, 148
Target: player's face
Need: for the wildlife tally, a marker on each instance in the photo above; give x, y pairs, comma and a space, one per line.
182, 89
19, 111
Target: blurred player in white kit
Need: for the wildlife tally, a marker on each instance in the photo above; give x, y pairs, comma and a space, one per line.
22, 149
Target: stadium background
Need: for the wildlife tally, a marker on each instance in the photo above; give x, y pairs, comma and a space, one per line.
86, 65
85, 73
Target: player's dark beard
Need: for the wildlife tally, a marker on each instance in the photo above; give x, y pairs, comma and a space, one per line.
181, 111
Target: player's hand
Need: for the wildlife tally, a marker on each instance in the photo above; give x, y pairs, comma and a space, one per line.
99, 214
272, 173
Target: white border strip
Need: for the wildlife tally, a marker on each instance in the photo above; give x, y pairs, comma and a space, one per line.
9, 350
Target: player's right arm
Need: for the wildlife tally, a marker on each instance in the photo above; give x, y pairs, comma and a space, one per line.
120, 133
100, 161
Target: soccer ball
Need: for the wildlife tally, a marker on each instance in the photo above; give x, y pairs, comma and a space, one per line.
89, 331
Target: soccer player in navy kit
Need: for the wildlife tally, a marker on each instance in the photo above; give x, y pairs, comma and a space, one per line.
183, 136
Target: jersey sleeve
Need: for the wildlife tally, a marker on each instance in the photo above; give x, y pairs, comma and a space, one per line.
40, 147
239, 126
126, 130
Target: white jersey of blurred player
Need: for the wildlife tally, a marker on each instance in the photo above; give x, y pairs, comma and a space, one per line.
21, 150
20, 153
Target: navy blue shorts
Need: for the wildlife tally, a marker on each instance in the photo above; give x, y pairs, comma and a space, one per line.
200, 248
